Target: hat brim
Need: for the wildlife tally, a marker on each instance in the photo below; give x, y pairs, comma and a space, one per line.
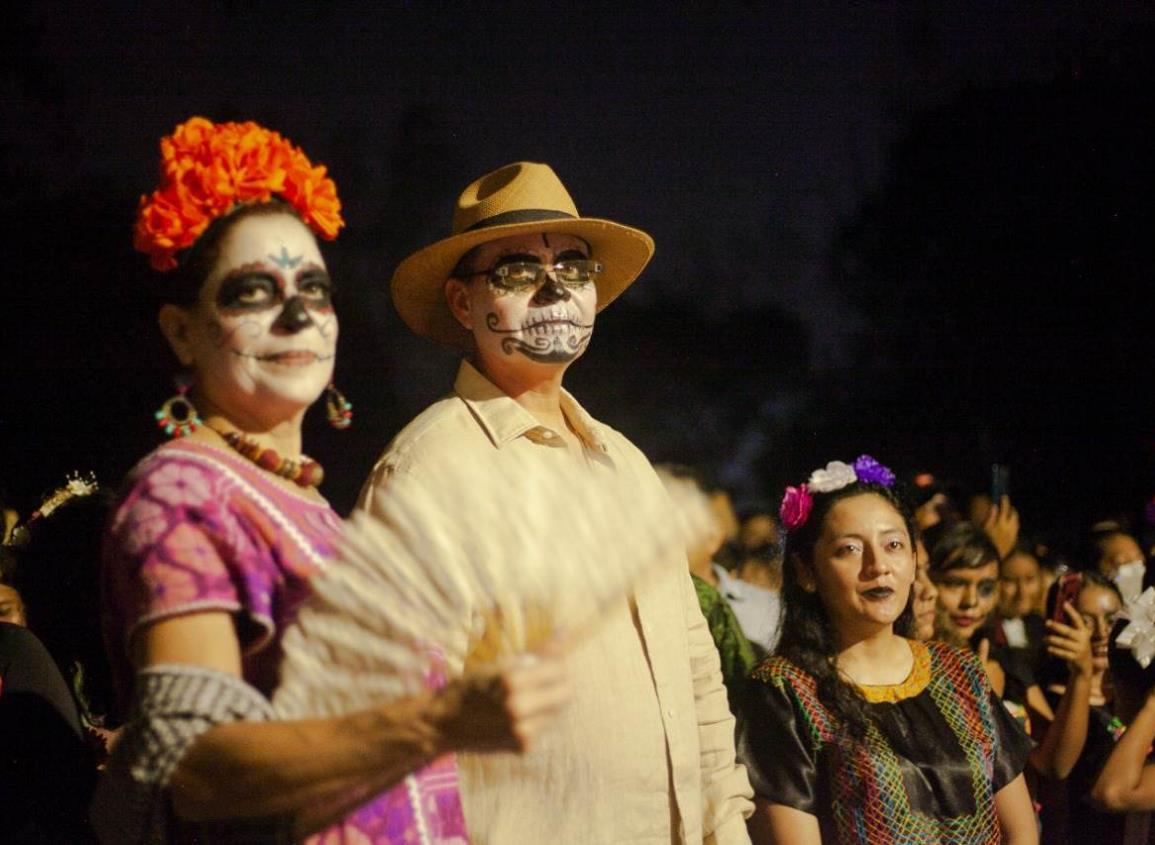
418, 284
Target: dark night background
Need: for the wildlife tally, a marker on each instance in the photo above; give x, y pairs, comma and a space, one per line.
918, 230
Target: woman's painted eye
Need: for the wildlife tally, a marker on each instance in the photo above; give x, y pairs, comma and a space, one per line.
318, 289
254, 293
247, 291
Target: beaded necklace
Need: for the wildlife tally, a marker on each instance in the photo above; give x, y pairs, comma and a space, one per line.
304, 472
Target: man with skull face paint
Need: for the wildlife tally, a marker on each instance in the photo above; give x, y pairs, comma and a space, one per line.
644, 752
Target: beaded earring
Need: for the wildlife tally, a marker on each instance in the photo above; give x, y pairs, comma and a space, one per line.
178, 416
338, 409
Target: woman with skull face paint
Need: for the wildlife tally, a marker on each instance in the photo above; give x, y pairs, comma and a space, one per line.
210, 551
964, 565
854, 731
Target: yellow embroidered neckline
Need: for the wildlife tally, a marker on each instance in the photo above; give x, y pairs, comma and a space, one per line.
915, 682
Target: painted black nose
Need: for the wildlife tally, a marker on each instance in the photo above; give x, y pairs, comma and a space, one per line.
550, 291
294, 316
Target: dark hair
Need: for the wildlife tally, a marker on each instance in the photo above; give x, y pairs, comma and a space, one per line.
1090, 548
197, 262
1090, 578
1022, 550
58, 577
963, 546
808, 639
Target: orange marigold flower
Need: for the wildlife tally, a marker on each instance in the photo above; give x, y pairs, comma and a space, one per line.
207, 169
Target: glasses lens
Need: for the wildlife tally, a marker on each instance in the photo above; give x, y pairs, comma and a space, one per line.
518, 274
522, 274
576, 273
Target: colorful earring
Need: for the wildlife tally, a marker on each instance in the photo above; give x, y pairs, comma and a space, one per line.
338, 409
178, 416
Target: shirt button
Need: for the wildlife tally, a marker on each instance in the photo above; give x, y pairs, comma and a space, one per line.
670, 712
548, 435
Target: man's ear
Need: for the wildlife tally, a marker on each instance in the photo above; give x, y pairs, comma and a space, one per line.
804, 574
459, 302
175, 325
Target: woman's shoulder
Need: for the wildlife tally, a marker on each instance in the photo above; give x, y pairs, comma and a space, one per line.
953, 661
941, 652
193, 474
958, 668
187, 486
779, 671
174, 458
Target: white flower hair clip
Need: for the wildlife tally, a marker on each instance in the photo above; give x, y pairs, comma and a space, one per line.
835, 476
1139, 635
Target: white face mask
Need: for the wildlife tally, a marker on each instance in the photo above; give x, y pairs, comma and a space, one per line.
1129, 579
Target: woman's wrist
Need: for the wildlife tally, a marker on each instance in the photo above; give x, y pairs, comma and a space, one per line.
1075, 672
411, 724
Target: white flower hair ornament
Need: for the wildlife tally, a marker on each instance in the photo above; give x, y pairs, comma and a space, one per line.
1139, 635
835, 476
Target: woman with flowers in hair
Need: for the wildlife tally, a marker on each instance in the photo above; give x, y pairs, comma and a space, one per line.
210, 552
854, 731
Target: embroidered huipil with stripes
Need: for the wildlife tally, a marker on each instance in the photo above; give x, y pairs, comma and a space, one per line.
940, 746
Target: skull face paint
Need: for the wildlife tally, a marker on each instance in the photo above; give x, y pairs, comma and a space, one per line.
262, 337
544, 324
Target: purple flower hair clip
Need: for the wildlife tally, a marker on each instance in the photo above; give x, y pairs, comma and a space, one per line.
870, 471
796, 505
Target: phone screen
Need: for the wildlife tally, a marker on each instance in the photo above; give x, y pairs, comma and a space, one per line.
1069, 586
1000, 482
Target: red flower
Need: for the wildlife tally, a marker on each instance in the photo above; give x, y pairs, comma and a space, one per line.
208, 169
796, 505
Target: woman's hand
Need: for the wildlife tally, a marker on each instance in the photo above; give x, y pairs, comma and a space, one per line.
1062, 744
1071, 643
503, 710
1002, 526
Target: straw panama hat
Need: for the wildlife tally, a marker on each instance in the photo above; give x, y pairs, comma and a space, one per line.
518, 199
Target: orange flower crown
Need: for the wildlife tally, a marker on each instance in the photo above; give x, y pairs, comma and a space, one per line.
207, 169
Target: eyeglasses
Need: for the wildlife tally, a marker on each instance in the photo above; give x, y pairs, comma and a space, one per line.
519, 275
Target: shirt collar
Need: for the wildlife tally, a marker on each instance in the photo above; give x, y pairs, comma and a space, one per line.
504, 420
726, 585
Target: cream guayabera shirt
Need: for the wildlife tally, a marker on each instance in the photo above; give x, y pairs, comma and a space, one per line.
645, 752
